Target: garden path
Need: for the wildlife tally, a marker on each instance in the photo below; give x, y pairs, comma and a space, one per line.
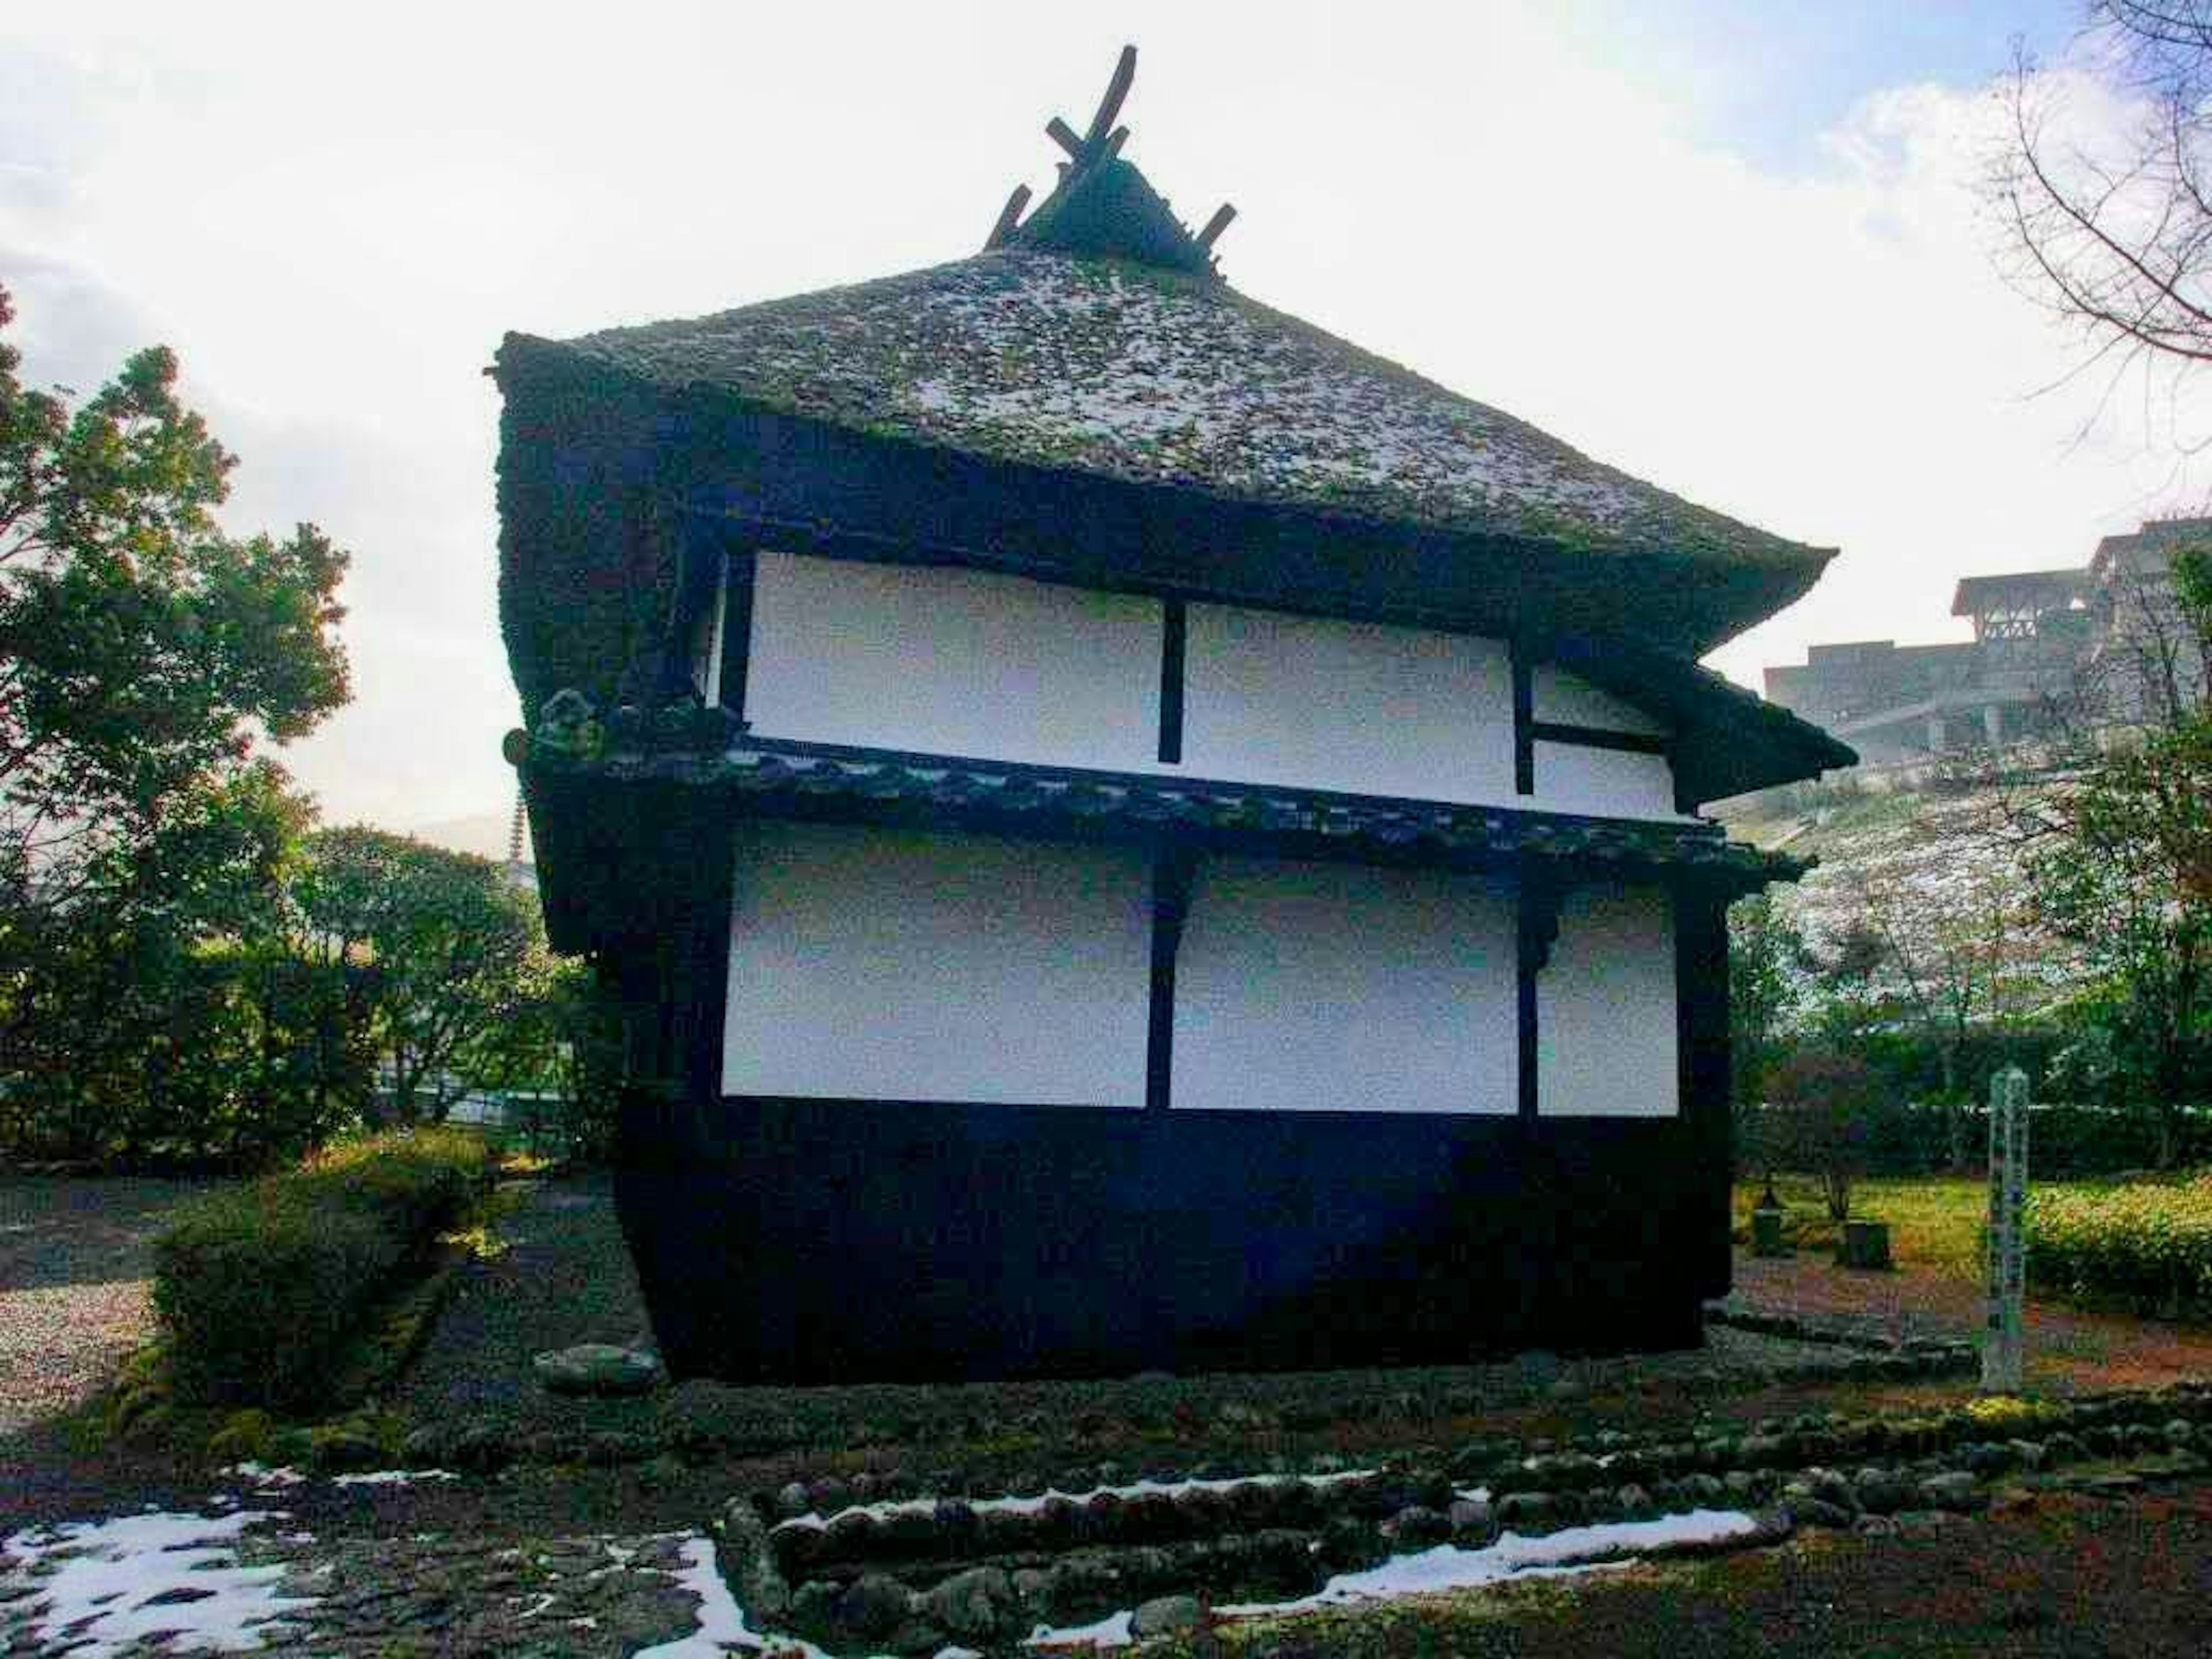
2069, 1349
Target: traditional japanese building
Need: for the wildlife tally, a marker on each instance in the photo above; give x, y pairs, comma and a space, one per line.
1130, 831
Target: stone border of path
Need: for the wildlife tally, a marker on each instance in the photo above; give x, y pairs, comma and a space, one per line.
908, 1577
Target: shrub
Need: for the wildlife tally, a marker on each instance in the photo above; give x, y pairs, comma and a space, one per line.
2146, 1246
262, 1287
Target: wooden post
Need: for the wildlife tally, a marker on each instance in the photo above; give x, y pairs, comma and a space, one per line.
2002, 1367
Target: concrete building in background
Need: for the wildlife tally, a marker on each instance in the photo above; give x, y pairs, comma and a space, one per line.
2105, 644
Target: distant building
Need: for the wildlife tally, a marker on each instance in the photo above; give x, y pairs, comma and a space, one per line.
2104, 641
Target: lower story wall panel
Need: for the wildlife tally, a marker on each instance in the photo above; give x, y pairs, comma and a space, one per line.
806, 1241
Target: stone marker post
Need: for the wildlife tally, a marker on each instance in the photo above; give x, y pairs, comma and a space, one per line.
2008, 1263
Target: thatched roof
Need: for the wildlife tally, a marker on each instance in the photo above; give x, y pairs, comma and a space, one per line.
1150, 375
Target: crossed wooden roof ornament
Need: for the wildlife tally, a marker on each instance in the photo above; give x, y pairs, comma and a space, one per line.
1100, 144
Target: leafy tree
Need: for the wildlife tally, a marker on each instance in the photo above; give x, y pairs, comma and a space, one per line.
1767, 960
2119, 852
142, 649
1949, 954
437, 951
563, 1044
144, 653
1827, 1100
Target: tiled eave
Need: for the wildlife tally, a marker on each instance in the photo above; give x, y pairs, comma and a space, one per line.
865, 786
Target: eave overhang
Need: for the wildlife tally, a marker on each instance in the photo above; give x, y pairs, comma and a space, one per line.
590, 813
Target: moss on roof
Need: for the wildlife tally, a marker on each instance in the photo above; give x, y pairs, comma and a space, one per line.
1155, 376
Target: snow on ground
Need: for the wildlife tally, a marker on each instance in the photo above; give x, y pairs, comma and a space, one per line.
261, 1475
1036, 1506
1447, 1567
394, 1478
1112, 1631
99, 1587
721, 1621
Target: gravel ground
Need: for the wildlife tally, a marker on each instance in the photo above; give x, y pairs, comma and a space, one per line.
76, 1267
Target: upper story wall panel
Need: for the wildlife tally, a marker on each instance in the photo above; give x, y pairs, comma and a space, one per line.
953, 662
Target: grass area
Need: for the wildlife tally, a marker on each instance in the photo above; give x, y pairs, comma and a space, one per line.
1934, 1222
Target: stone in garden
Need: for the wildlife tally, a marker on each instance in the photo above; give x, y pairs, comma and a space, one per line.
1524, 1512
1473, 1521
977, 1603
339, 1449
597, 1368
1882, 1492
815, 1604
1164, 1614
1809, 1511
1954, 1491
874, 1605
1416, 1527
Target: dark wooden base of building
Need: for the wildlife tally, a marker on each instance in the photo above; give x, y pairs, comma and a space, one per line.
809, 1241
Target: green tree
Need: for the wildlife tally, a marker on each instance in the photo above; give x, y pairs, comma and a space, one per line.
437, 952
1767, 963
2120, 855
144, 655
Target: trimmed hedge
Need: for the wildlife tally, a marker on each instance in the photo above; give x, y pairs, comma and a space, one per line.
262, 1288
2148, 1246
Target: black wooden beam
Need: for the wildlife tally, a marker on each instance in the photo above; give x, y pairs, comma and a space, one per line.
737, 630
1065, 137
1595, 737
1008, 217
1117, 90
1174, 635
1537, 928
1172, 870
1705, 1069
1524, 722
1220, 221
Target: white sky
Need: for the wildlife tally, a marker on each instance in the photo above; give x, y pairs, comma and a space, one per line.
333, 216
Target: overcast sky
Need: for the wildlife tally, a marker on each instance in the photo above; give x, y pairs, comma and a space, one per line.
1732, 248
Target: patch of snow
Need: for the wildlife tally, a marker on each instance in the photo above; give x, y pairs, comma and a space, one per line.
101, 1586
1036, 1506
1447, 1567
721, 1621
261, 1475
1112, 1631
394, 1478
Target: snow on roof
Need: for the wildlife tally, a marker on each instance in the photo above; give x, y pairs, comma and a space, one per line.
1155, 376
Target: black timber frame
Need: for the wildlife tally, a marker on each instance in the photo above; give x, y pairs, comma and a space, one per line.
1174, 633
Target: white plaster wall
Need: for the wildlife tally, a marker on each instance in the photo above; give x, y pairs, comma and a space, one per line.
1606, 1011
1316, 987
1560, 697
953, 662
1615, 783
881, 965
1347, 706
